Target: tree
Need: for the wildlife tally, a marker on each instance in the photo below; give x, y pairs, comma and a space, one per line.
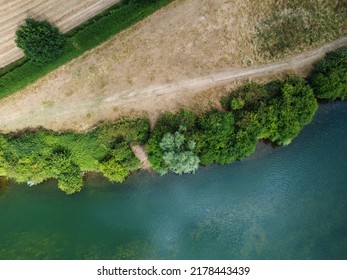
284, 115
40, 41
329, 76
214, 137
178, 155
118, 164
113, 170
67, 172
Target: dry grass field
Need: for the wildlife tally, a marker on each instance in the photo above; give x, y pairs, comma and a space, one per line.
184, 41
66, 14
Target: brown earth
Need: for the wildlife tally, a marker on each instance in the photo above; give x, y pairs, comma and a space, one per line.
66, 14
141, 154
172, 59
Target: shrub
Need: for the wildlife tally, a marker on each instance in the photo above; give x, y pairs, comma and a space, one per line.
329, 76
285, 114
33, 157
39, 40
213, 136
119, 163
275, 111
237, 104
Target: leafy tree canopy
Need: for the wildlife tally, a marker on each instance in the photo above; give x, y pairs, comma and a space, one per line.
178, 153
40, 41
329, 76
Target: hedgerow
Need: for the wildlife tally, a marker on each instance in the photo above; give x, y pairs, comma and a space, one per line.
83, 38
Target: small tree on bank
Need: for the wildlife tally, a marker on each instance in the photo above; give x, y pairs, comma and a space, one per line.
40, 40
329, 76
178, 154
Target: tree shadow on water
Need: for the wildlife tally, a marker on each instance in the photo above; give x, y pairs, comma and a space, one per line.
3, 185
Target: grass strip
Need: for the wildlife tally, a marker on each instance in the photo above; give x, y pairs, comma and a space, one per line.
85, 37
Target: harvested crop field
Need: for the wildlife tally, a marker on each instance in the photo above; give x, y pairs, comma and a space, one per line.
183, 49
66, 14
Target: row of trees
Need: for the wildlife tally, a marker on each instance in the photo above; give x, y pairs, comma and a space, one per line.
276, 111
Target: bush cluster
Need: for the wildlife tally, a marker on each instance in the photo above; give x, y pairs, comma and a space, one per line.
33, 157
276, 111
329, 76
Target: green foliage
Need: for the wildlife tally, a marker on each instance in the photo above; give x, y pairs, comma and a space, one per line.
113, 170
138, 2
213, 136
276, 111
248, 96
33, 157
247, 133
134, 131
40, 41
285, 114
329, 76
168, 123
67, 172
83, 38
179, 142
237, 104
178, 154
248, 126
118, 164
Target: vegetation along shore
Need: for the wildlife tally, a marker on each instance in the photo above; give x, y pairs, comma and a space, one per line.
275, 111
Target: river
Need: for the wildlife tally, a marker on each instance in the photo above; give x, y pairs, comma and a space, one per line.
283, 203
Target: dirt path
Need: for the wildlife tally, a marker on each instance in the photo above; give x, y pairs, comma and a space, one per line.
81, 114
66, 14
202, 83
141, 154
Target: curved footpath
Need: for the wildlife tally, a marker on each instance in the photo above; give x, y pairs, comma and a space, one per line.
74, 115
201, 83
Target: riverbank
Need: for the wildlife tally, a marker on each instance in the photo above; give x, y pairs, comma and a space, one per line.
141, 153
283, 203
179, 142
111, 149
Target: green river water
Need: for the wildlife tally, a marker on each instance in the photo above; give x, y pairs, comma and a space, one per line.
283, 203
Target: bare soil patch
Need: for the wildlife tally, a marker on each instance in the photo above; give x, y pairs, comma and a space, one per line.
141, 154
172, 59
65, 14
